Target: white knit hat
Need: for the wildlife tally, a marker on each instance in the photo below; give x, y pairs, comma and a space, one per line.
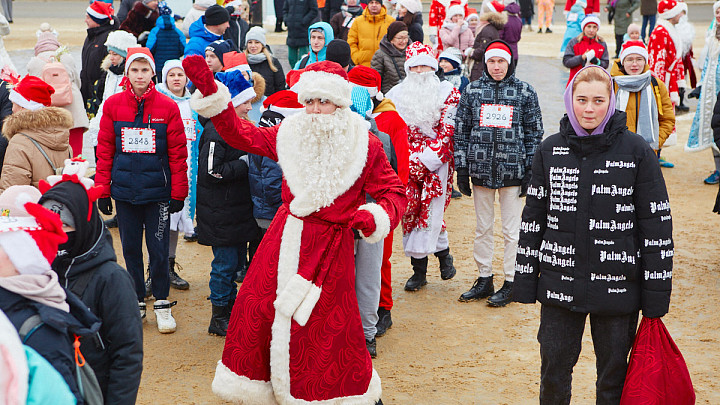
168, 66
413, 6
119, 41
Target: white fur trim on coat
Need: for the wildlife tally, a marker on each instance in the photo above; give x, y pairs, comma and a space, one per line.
308, 198
382, 222
288, 300
212, 105
240, 389
280, 343
303, 312
323, 85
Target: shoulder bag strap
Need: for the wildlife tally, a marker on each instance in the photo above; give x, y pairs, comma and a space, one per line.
37, 145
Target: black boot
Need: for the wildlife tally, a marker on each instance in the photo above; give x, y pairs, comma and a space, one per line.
682, 107
417, 280
447, 270
503, 296
371, 347
111, 223
482, 288
220, 320
384, 322
175, 281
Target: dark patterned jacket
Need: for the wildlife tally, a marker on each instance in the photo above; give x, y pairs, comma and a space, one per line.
596, 232
497, 157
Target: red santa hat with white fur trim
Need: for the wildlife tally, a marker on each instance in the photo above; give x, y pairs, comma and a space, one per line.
32, 93
284, 102
134, 54
498, 49
29, 233
418, 54
368, 78
668, 9
100, 12
633, 47
325, 80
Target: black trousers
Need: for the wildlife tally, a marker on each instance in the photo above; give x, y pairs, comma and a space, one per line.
560, 338
618, 45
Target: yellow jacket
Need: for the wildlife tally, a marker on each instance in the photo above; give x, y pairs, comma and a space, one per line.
666, 112
365, 35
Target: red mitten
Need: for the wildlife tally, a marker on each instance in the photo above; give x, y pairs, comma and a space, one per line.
364, 222
199, 74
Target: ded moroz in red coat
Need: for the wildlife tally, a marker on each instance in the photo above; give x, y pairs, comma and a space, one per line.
665, 57
295, 335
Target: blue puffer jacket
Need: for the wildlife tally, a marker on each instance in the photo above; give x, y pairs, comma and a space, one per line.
200, 38
166, 42
52, 338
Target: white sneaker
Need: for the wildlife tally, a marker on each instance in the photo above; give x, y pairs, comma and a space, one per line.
163, 316
143, 310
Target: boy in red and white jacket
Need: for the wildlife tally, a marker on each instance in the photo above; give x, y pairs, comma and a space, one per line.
142, 164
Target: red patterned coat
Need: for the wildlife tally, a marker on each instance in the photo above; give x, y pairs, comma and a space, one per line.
295, 334
665, 57
429, 186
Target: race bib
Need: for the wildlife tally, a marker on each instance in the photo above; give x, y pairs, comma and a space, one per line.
138, 140
496, 115
190, 132
572, 17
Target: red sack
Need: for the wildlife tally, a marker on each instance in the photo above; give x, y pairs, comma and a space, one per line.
657, 373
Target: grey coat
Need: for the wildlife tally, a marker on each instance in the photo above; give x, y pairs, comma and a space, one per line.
390, 63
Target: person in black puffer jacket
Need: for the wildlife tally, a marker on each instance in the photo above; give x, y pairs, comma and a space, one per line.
262, 61
48, 318
298, 15
224, 218
86, 265
596, 238
93, 52
238, 28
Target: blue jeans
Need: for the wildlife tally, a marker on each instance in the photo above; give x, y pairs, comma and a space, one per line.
226, 263
154, 217
647, 19
527, 20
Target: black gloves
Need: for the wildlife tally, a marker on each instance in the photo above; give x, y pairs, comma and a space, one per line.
463, 181
176, 206
525, 183
695, 93
105, 205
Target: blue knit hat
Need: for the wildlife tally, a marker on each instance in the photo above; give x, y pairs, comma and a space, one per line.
361, 102
240, 89
164, 9
220, 48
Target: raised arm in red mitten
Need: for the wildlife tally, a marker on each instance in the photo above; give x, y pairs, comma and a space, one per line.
199, 74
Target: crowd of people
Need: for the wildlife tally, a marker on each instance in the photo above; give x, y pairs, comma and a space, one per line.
193, 127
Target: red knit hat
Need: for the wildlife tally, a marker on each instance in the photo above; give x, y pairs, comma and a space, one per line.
325, 80
498, 49
283, 102
368, 78
668, 9
633, 47
100, 11
29, 233
32, 93
134, 54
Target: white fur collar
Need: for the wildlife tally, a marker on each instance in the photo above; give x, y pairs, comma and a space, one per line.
318, 191
677, 41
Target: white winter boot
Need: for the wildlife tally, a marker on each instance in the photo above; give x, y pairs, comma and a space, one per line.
163, 315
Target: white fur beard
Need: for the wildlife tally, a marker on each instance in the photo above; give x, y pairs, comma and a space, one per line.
686, 31
418, 102
323, 151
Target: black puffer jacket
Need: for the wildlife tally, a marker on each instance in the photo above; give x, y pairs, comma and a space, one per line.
299, 15
596, 233
236, 32
390, 63
497, 157
93, 53
224, 206
116, 352
274, 81
54, 336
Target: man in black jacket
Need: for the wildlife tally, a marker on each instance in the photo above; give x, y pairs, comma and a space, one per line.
298, 14
498, 127
100, 22
86, 265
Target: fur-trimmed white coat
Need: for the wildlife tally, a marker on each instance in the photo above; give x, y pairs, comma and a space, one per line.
295, 335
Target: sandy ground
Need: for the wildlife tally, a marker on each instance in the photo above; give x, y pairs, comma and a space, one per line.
441, 351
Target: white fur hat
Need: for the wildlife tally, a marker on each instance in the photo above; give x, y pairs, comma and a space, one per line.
324, 80
119, 41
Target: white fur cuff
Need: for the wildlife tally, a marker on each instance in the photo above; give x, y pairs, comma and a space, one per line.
382, 222
213, 104
430, 159
302, 314
240, 389
292, 295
